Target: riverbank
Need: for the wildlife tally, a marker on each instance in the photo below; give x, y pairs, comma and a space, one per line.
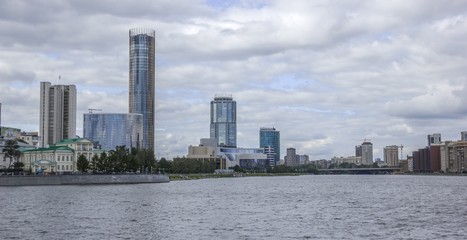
85, 179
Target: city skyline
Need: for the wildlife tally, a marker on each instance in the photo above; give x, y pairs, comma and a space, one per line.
326, 75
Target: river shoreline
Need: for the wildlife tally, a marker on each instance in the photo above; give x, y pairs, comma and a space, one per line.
82, 179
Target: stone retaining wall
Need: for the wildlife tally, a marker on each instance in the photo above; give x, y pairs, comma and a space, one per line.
82, 179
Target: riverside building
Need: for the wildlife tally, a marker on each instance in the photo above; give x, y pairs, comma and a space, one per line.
223, 125
142, 80
108, 130
367, 153
269, 139
58, 158
57, 113
391, 155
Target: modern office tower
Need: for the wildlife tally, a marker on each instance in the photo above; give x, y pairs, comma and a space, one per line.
109, 130
57, 113
142, 80
367, 153
434, 138
270, 138
391, 155
291, 159
224, 121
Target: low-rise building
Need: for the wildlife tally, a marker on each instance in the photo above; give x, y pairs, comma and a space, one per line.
59, 158
32, 138
247, 158
349, 159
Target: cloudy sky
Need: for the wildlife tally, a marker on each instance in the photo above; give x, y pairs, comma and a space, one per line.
326, 74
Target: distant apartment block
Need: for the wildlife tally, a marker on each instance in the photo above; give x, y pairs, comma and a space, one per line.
109, 130
358, 150
57, 113
391, 155
303, 159
453, 157
367, 153
291, 159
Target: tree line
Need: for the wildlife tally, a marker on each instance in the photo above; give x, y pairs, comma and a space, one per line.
187, 165
120, 160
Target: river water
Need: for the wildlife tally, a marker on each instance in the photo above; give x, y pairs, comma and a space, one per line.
292, 207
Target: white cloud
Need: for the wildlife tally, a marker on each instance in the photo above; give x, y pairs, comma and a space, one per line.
325, 74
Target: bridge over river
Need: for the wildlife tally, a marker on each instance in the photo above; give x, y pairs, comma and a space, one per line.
385, 170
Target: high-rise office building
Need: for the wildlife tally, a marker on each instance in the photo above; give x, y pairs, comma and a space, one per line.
367, 153
270, 138
108, 130
142, 80
224, 121
57, 113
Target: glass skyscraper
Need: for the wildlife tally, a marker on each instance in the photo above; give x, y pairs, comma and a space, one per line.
269, 139
224, 121
109, 130
142, 80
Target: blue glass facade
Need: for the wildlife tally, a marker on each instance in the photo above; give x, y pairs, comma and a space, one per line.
270, 137
224, 121
142, 81
109, 130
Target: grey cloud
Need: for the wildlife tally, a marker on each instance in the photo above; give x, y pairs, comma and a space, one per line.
321, 72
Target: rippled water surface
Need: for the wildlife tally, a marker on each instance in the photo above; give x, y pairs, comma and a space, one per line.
296, 207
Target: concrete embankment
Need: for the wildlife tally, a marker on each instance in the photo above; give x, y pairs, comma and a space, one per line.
82, 179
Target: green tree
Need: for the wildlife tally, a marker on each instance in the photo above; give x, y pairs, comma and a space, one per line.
238, 169
146, 160
99, 163
164, 166
82, 163
119, 158
11, 151
18, 165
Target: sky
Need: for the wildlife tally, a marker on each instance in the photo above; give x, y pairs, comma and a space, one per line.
326, 74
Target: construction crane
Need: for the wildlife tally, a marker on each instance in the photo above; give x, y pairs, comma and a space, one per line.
93, 109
